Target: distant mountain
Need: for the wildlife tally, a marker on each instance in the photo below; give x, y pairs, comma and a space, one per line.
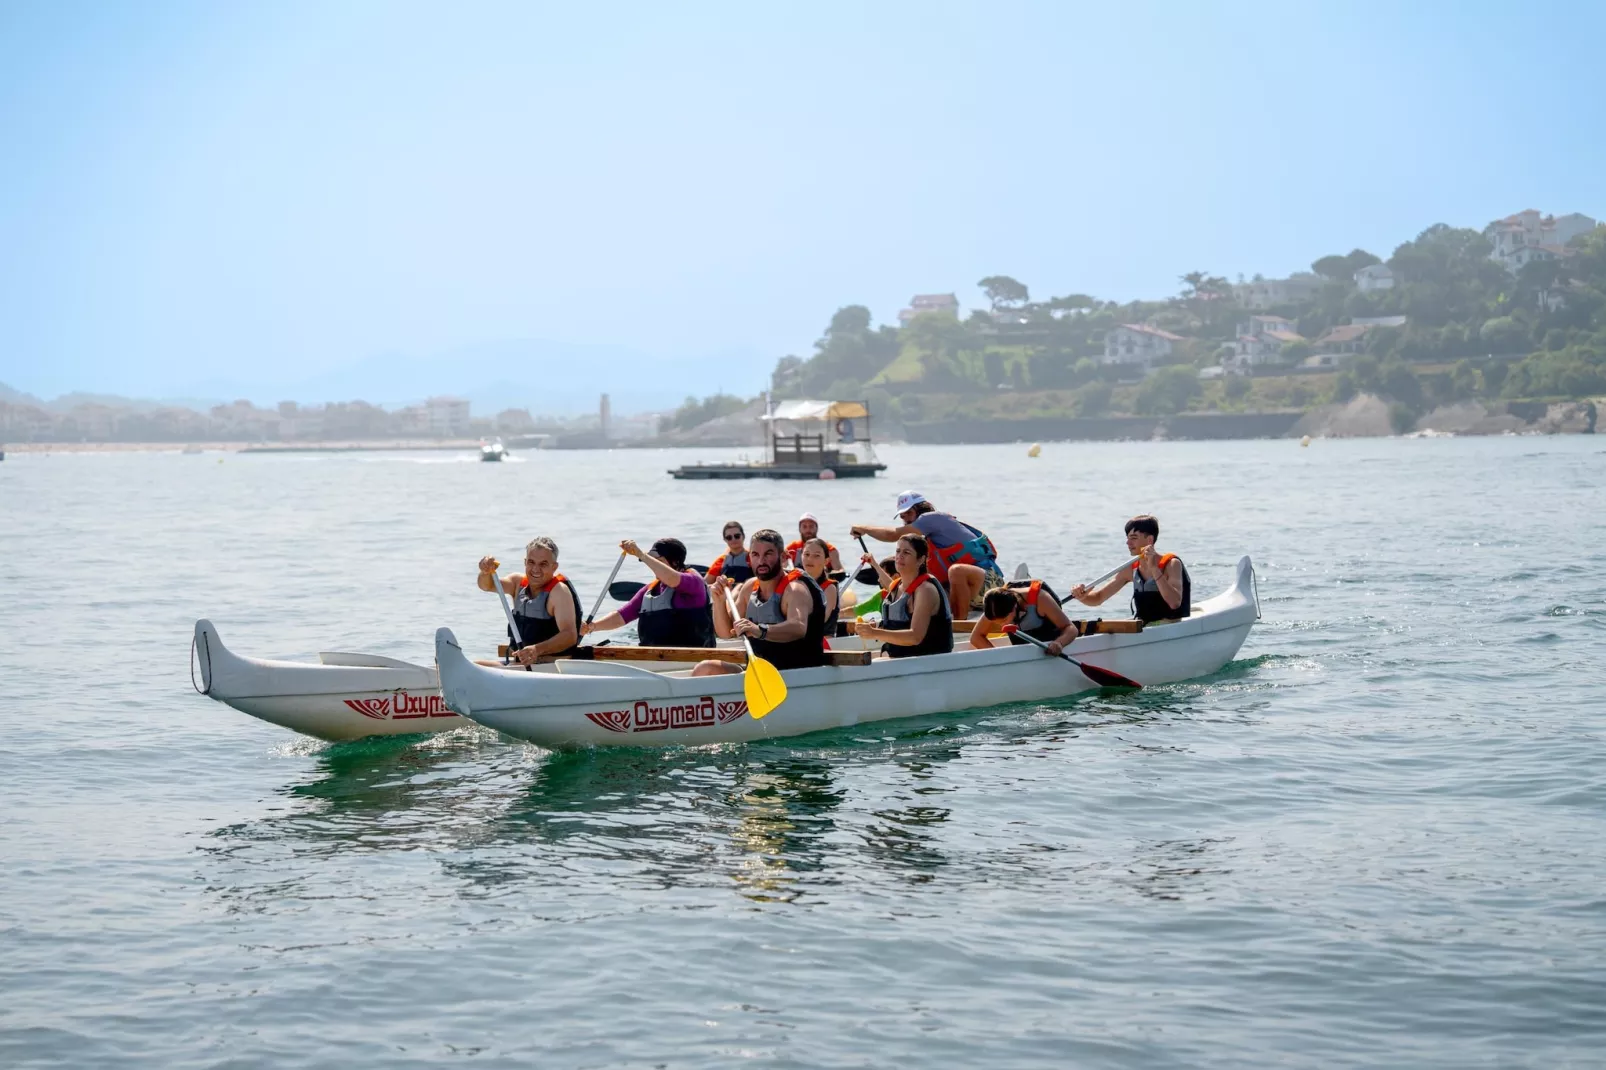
543, 376
116, 401
17, 397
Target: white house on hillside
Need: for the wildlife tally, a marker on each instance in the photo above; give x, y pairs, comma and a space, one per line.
1528, 236
1348, 339
1261, 341
1376, 277
920, 304
1262, 294
1137, 343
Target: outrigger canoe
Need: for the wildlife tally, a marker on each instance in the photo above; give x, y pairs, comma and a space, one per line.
340, 696
590, 704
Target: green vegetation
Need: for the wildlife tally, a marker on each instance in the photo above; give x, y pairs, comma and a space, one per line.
1472, 330
694, 413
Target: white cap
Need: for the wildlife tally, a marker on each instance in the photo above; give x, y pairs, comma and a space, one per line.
908, 500
808, 516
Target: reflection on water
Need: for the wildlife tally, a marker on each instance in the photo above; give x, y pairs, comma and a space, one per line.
776, 821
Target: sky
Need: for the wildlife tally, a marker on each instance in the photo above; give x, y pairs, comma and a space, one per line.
273, 199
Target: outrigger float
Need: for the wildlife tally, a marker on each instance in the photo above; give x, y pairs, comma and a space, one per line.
646, 697
338, 697
587, 704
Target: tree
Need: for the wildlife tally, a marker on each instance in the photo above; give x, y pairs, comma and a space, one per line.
1093, 399
1296, 351
848, 351
1505, 335
1167, 391
1236, 387
1004, 292
1072, 303
993, 367
1333, 267
1343, 268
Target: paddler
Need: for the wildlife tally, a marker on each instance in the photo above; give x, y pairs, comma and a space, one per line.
674, 610
915, 618
815, 556
1161, 587
733, 562
781, 612
962, 556
545, 604
808, 527
1032, 607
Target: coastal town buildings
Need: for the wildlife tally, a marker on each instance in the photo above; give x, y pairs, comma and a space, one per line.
1138, 344
921, 304
1373, 278
448, 417
1346, 340
1529, 235
1261, 294
1260, 341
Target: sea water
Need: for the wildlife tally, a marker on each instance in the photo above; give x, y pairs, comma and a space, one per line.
1377, 838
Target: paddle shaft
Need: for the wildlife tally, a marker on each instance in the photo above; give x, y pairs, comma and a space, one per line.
1102, 677
598, 603
762, 685
513, 625
859, 575
1102, 578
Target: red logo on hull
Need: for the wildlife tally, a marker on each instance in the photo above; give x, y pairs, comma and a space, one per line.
645, 717
401, 706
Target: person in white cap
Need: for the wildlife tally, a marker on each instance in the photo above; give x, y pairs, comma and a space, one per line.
808, 527
962, 557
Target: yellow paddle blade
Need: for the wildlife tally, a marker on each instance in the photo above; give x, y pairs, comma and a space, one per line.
763, 686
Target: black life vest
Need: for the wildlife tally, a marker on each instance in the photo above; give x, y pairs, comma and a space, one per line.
534, 617
804, 653
897, 615
737, 567
662, 623
1148, 604
1030, 621
832, 617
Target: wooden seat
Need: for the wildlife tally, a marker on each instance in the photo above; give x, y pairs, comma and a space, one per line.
1089, 627
692, 654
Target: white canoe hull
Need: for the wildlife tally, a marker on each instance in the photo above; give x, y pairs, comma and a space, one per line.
592, 704
344, 696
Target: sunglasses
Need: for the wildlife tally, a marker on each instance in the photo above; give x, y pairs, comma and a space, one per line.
729, 535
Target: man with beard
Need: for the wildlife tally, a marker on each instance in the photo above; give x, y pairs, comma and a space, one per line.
808, 527
782, 613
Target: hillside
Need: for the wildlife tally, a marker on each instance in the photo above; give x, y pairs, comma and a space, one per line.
1451, 316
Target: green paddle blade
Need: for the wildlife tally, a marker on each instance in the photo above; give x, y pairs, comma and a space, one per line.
764, 688
869, 605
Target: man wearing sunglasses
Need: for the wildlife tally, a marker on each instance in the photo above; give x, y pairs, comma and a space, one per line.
734, 562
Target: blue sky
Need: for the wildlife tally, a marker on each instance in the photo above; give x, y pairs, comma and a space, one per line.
251, 197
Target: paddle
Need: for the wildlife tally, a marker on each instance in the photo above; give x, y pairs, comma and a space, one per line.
624, 590
866, 574
598, 603
761, 683
869, 605
1102, 578
513, 625
1102, 677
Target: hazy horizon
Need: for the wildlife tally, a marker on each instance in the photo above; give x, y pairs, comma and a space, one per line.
250, 200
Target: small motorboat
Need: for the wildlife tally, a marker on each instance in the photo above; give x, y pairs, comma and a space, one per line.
586, 704
493, 451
